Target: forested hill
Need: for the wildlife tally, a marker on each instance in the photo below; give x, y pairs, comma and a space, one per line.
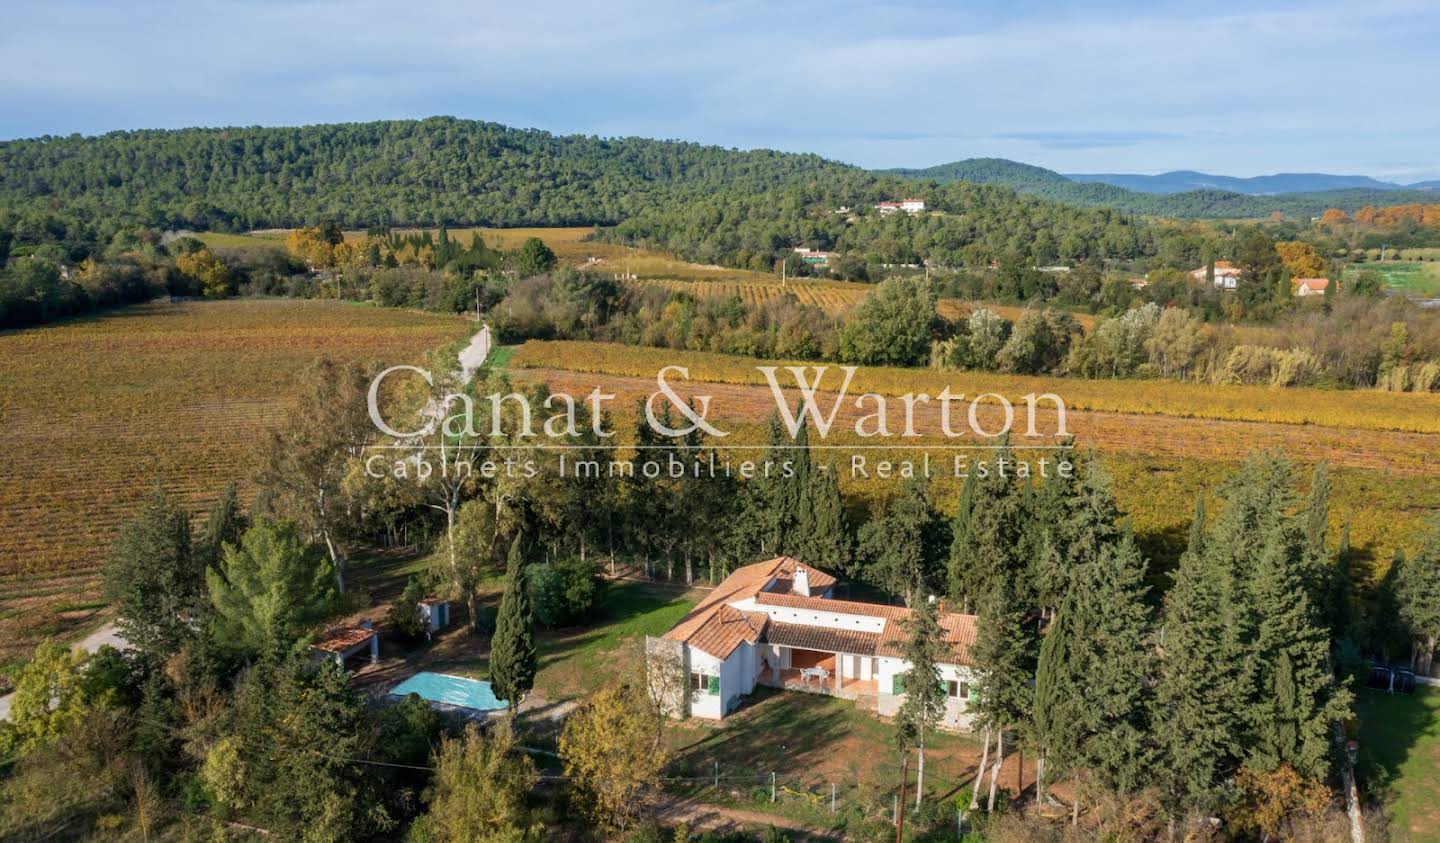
382, 173
1049, 184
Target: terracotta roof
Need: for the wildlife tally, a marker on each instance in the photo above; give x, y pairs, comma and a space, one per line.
823, 638
1312, 283
743, 582
717, 628
725, 629
825, 604
340, 640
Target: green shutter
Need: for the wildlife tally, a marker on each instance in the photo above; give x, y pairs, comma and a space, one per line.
714, 686
897, 685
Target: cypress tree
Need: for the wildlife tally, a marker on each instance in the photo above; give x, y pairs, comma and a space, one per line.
924, 702
154, 579
513, 660
825, 539
1112, 662
996, 547
903, 547
1194, 720
1296, 701
225, 524
1417, 592
1055, 720
961, 538
1316, 570
794, 505
1003, 659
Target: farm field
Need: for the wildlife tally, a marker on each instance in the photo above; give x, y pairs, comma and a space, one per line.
98, 411
1414, 278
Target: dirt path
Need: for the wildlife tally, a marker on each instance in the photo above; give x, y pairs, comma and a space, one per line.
90, 643
701, 816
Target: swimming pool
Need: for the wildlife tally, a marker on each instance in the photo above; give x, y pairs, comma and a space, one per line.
450, 690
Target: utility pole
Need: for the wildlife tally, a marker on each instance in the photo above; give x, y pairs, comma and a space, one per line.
900, 803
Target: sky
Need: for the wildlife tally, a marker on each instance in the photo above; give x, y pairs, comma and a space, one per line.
1234, 88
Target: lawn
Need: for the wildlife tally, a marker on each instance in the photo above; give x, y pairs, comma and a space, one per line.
576, 661
1414, 278
1400, 758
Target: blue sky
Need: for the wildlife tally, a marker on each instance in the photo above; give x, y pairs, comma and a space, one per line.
1108, 85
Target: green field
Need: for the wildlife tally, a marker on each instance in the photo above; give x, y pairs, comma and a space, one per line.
1413, 278
1400, 759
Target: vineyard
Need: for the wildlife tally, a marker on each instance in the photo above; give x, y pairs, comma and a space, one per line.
98, 412
1385, 481
1355, 409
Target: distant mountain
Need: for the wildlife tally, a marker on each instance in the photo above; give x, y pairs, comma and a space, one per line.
1180, 181
1192, 201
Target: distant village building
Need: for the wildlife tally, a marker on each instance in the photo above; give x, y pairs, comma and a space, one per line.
1305, 287
813, 257
909, 206
775, 623
1227, 275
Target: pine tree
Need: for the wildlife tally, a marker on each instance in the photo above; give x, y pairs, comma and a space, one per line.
513, 660
925, 696
825, 539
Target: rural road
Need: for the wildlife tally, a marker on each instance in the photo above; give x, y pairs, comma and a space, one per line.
90, 643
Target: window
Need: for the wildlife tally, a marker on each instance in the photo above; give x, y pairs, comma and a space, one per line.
703, 684
952, 688
960, 690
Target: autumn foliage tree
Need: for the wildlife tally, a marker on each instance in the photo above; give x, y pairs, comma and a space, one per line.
613, 749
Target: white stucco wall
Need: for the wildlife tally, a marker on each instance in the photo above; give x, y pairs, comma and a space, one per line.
811, 617
957, 712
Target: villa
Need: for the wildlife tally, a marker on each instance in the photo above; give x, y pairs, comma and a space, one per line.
775, 623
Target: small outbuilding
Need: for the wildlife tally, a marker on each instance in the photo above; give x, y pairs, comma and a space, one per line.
347, 641
435, 614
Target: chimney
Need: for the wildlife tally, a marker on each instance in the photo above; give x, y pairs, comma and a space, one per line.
802, 581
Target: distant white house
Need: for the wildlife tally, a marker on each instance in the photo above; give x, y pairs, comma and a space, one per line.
775, 623
1227, 275
1305, 287
814, 257
909, 206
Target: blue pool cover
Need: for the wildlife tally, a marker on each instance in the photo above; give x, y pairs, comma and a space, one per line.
450, 690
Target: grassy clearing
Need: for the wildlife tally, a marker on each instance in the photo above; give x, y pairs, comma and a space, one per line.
576, 661
1400, 757
1419, 279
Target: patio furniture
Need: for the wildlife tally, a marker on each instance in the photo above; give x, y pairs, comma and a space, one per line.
808, 673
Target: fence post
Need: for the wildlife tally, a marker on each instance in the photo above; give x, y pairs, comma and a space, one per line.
772, 785
895, 811
717, 775
832, 797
